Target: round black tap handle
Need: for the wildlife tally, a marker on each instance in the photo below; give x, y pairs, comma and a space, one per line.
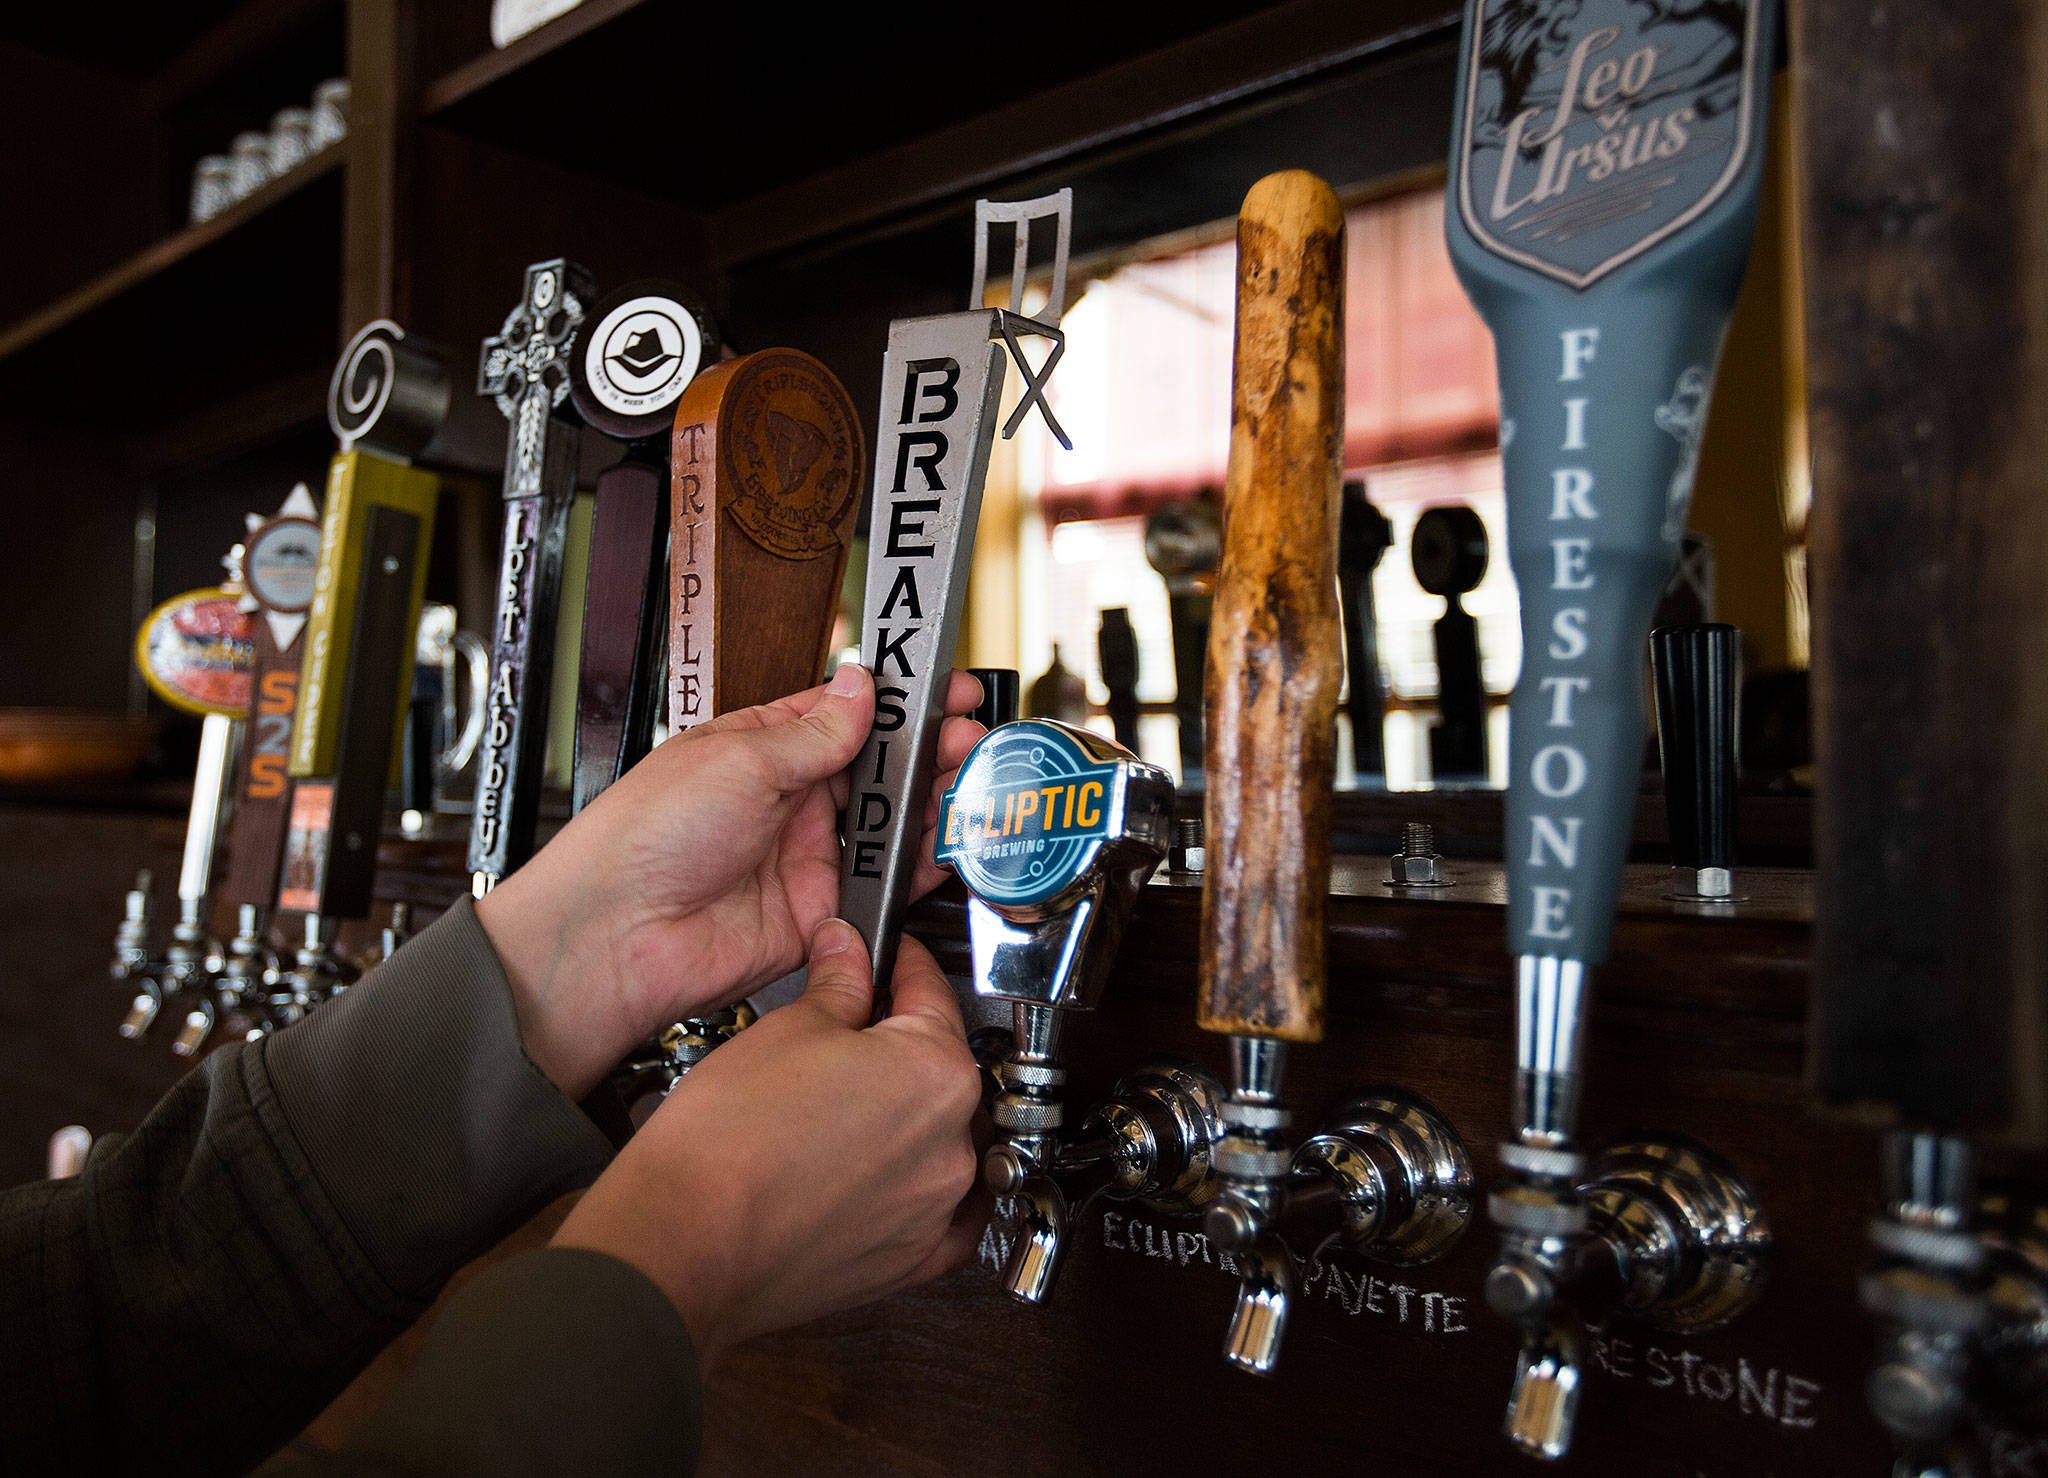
1449, 551
1698, 673
999, 696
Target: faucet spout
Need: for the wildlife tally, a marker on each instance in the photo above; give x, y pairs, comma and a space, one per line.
1543, 1407
1042, 1238
1265, 1294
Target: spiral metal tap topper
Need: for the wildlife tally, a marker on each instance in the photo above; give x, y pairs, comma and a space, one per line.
386, 404
942, 384
1603, 192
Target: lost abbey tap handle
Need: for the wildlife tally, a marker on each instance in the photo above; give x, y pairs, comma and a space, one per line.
1054, 830
1698, 673
525, 368
1270, 701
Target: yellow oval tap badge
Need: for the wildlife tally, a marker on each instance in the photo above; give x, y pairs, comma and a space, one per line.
196, 652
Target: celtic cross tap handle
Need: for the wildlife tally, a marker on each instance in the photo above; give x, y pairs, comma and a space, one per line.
1603, 191
525, 369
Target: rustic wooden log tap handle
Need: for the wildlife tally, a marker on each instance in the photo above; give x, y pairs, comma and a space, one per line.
1274, 636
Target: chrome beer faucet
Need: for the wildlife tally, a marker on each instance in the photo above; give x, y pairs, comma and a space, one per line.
132, 949
1054, 830
248, 972
317, 975
192, 957
1960, 1295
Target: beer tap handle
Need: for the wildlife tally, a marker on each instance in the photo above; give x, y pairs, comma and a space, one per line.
397, 931
1274, 633
1270, 702
1698, 671
1054, 831
1001, 688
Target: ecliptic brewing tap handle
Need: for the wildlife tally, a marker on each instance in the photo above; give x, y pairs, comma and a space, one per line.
1275, 636
1698, 672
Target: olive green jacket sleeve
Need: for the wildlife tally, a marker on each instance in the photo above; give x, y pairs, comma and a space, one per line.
210, 1282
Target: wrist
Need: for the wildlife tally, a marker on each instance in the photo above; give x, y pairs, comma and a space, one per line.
651, 1222
548, 940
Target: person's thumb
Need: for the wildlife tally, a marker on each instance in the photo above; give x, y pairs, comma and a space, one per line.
840, 981
819, 743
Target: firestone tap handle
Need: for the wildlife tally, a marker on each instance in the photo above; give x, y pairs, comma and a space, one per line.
1698, 672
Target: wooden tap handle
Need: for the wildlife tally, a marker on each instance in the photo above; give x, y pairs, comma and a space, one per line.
1274, 634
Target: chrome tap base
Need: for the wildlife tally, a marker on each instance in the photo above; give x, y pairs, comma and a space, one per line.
1403, 1179
1660, 1228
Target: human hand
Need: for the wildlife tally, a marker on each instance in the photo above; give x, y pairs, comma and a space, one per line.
808, 1165
697, 877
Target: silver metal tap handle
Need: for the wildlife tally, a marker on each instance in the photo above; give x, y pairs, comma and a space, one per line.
131, 940
217, 738
1543, 1408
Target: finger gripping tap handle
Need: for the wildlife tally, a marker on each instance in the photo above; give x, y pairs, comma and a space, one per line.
1275, 636
1698, 673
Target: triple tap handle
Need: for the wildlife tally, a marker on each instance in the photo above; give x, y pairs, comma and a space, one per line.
1274, 634
1698, 672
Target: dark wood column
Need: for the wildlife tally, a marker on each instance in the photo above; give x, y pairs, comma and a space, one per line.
1922, 135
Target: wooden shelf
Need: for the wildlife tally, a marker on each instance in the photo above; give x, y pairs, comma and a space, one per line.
756, 112
237, 306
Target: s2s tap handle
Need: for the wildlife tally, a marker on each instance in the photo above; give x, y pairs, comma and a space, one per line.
1698, 674
1274, 633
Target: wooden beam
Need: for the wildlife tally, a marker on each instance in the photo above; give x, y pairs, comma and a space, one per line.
1924, 154
376, 196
